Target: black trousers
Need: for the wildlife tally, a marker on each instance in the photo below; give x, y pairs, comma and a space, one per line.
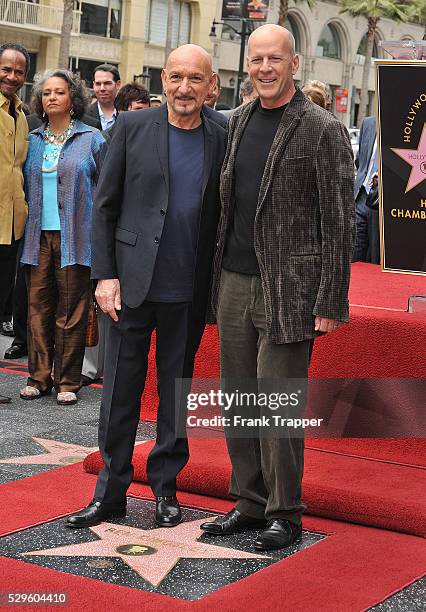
8, 256
367, 244
20, 307
178, 336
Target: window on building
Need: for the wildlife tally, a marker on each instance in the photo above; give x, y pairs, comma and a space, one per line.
85, 68
229, 34
155, 85
101, 18
329, 43
362, 49
25, 93
291, 24
156, 23
227, 31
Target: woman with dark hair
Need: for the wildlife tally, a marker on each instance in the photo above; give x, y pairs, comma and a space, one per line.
60, 175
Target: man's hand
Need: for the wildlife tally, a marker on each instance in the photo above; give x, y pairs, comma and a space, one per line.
108, 297
374, 178
326, 325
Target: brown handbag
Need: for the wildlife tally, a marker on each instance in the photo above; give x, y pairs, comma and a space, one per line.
92, 331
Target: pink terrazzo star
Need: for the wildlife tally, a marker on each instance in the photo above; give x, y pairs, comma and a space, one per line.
417, 160
58, 453
151, 553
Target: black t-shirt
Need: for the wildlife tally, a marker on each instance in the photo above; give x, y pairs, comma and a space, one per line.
250, 164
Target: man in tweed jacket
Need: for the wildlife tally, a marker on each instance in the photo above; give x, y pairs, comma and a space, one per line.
282, 268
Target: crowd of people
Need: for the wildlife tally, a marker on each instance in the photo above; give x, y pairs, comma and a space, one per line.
171, 212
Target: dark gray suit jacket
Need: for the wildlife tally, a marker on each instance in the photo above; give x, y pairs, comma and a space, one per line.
131, 205
215, 116
367, 136
304, 225
93, 111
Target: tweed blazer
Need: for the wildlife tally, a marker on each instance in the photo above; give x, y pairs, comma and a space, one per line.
304, 223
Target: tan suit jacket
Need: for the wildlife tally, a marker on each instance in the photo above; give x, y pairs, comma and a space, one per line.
13, 152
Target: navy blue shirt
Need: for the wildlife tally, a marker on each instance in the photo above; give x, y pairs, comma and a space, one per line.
173, 276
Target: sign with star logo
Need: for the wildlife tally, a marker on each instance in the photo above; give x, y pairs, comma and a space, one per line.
401, 95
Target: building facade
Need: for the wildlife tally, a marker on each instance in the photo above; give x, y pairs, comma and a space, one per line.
132, 35
128, 33
331, 46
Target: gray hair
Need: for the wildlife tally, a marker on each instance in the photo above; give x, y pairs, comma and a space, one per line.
246, 88
78, 92
292, 41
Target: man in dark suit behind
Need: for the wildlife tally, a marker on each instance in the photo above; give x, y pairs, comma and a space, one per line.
106, 84
154, 235
215, 116
281, 273
367, 246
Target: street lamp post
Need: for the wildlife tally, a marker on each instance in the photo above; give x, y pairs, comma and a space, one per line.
243, 34
144, 76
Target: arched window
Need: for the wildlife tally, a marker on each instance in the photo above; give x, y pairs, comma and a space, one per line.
360, 54
291, 24
156, 23
329, 43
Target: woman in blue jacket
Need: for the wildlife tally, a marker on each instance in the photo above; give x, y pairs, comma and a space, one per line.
60, 175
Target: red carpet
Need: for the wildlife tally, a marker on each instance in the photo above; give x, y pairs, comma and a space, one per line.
403, 451
341, 480
373, 288
378, 343
337, 486
352, 569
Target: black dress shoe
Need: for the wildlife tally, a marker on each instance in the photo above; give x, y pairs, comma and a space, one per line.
95, 513
4, 399
167, 511
278, 534
233, 522
6, 328
16, 351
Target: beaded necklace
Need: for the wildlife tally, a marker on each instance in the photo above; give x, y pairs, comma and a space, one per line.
56, 142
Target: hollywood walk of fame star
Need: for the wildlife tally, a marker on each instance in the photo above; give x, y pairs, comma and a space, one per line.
152, 553
58, 453
417, 160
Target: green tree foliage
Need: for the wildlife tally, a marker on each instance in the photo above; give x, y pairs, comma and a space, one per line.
372, 11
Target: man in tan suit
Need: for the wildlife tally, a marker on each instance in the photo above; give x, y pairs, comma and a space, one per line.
14, 64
